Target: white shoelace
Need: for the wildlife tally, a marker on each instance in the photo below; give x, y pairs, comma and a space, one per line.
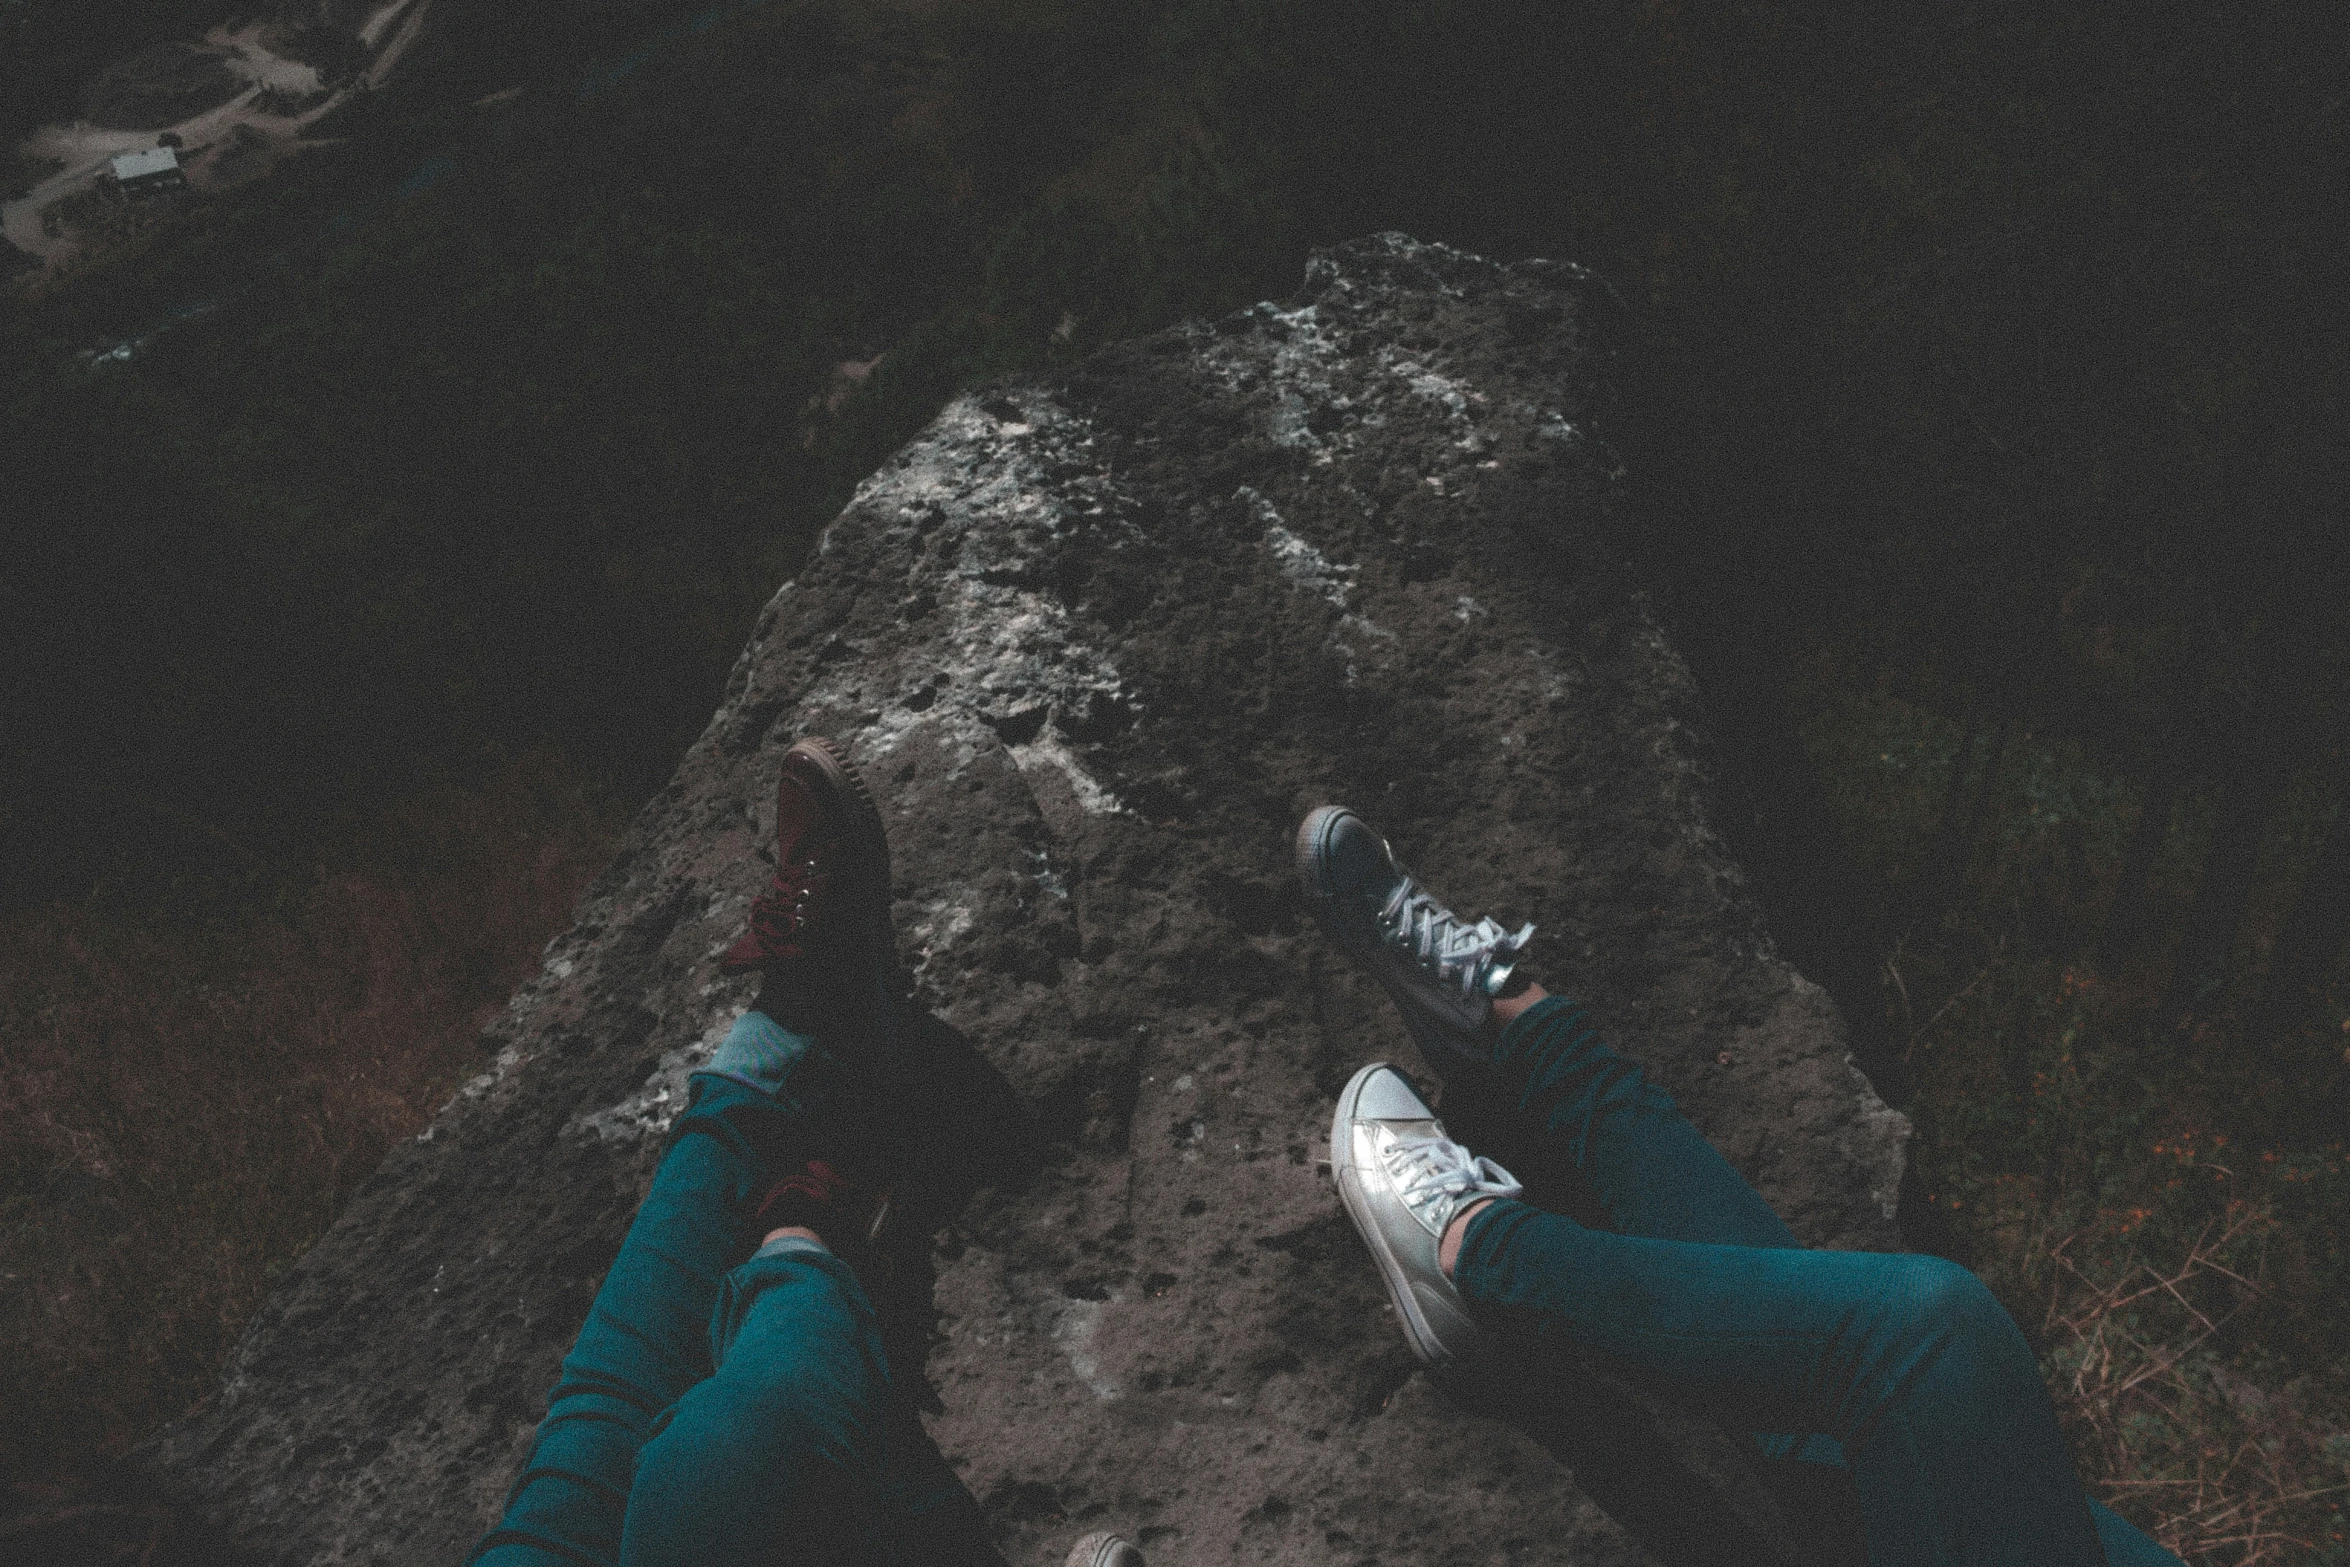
1437, 1177
1439, 940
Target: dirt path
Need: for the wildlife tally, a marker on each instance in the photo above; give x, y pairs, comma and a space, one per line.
212, 152
244, 53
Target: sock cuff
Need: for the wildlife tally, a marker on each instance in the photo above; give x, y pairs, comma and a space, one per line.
1526, 1025
786, 1245
807, 1196
760, 1052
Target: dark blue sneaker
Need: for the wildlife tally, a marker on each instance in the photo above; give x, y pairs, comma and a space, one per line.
1441, 972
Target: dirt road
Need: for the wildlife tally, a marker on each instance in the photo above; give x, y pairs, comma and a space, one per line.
212, 153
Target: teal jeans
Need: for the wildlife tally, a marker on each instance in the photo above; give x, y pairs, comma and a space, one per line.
725, 1406
1901, 1368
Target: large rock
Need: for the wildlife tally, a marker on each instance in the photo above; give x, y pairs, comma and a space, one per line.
1099, 643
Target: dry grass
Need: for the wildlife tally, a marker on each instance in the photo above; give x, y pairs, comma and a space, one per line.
2180, 1282
2172, 1210
189, 1107
2218, 1470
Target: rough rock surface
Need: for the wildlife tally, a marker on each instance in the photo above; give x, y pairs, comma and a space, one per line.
1099, 644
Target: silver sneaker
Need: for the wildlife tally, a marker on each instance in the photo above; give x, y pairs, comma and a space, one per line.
1441, 972
1104, 1550
1403, 1181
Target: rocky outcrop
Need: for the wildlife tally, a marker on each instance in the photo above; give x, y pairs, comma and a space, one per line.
1099, 643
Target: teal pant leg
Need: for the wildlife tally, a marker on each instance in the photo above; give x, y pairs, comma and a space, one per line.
696, 1354
1906, 1361
1558, 1086
1903, 1366
646, 1339
2126, 1545
782, 1454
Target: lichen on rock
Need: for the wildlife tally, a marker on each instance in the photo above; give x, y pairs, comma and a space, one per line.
1098, 643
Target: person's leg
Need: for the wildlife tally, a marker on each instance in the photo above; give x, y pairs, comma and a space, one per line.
820, 937
668, 1370
780, 1455
1650, 1172
1907, 1361
646, 1338
1653, 1175
2126, 1545
1556, 1096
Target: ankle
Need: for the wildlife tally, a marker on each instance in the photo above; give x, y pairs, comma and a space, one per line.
792, 1232
1448, 1249
812, 1193
802, 998
1506, 1008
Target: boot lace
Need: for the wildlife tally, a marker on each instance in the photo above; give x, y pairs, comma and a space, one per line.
782, 915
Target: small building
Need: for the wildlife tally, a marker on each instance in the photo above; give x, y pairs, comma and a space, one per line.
146, 173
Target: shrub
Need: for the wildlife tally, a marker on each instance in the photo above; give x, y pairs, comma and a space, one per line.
193, 1100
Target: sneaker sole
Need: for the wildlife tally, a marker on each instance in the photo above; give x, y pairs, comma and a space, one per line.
1309, 850
1104, 1550
1417, 1331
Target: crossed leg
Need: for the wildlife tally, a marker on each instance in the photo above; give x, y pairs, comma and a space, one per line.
724, 1406
1906, 1364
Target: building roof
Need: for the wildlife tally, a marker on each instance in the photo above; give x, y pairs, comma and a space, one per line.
142, 165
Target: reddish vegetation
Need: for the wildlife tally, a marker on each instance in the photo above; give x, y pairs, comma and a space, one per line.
190, 1106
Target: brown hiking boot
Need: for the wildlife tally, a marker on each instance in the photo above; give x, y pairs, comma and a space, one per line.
848, 1213
821, 931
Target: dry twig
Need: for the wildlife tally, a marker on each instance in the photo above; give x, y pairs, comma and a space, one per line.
2152, 1424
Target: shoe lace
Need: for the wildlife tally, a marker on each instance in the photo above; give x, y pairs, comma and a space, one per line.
780, 914
1438, 1175
1476, 957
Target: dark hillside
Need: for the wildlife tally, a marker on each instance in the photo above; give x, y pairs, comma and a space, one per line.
50, 50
